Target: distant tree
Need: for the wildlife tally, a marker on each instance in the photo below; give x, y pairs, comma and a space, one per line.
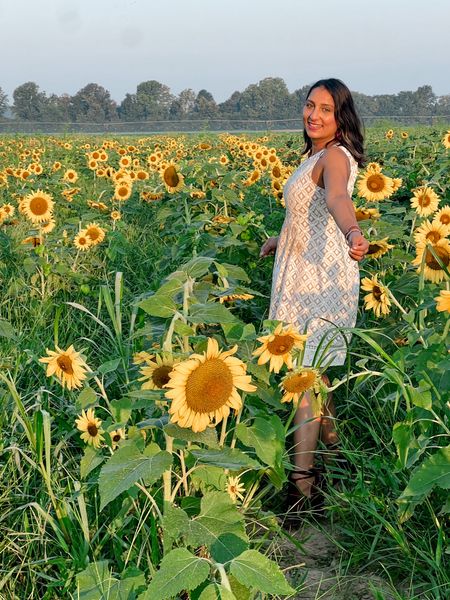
29, 102
268, 99
443, 105
183, 105
231, 108
151, 101
58, 108
93, 103
205, 106
3, 102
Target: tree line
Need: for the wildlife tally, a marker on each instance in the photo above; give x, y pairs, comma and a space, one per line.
269, 99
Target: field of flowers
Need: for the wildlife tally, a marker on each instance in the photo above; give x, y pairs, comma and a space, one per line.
146, 401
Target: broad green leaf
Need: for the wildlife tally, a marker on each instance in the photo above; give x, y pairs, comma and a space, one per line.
233, 271
256, 571
434, 470
180, 571
197, 267
175, 522
227, 546
171, 287
183, 329
122, 409
126, 466
261, 437
216, 592
109, 366
87, 397
421, 396
227, 458
208, 436
158, 423
159, 305
208, 476
90, 461
97, 583
240, 591
211, 312
402, 437
218, 516
6, 329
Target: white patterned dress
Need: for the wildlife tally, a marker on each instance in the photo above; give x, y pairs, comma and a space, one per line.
315, 282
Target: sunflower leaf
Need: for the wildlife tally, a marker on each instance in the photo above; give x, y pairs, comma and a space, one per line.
208, 436
97, 583
126, 466
90, 461
6, 329
227, 458
159, 305
180, 571
260, 436
215, 591
255, 570
211, 312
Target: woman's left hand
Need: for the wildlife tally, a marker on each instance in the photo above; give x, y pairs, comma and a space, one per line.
359, 246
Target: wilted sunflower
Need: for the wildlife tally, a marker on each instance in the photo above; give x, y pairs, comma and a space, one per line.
443, 216
70, 176
363, 214
378, 247
95, 233
68, 366
443, 301
425, 201
90, 425
374, 186
234, 488
378, 298
123, 190
446, 140
198, 194
233, 297
172, 178
297, 382
156, 373
277, 347
116, 437
430, 233
204, 387
433, 269
82, 241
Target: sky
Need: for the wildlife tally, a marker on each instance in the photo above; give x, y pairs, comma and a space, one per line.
380, 47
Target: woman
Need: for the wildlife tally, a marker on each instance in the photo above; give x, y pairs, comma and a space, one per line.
316, 277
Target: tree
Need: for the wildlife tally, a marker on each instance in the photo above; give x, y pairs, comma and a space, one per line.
3, 102
29, 102
231, 108
268, 99
205, 106
58, 108
183, 105
93, 103
152, 100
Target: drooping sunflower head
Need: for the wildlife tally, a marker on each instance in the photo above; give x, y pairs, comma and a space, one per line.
278, 346
91, 428
378, 247
425, 201
375, 186
172, 178
363, 214
378, 297
38, 206
203, 388
68, 366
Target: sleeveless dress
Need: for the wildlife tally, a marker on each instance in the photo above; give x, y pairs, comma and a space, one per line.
315, 283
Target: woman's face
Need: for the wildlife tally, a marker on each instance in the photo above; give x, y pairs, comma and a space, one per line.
318, 116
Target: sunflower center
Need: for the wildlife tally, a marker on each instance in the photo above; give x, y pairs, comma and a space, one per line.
93, 233
445, 219
122, 191
424, 200
374, 248
92, 429
115, 438
298, 383
65, 364
160, 376
171, 176
433, 236
280, 345
432, 262
375, 183
377, 293
38, 205
209, 387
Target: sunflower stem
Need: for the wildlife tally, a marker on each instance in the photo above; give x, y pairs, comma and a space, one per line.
183, 473
167, 475
413, 224
223, 431
445, 332
295, 405
103, 394
403, 311
150, 497
238, 420
223, 577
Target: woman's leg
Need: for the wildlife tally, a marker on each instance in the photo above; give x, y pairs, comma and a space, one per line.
305, 442
328, 433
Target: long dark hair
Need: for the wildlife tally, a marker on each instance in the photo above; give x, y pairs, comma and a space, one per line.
350, 129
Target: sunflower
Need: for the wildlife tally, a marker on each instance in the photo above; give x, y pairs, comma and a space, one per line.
142, 175
156, 373
116, 437
115, 215
140, 357
203, 388
123, 191
68, 366
277, 347
425, 201
378, 298
252, 178
95, 233
70, 175
38, 206
173, 180
397, 183
49, 226
443, 216
446, 140
378, 247
374, 167
362, 214
297, 382
223, 159
125, 162
82, 241
374, 186
8, 209
56, 166
443, 301
389, 134
430, 233
233, 297
198, 194
404, 135
234, 488
434, 259
90, 425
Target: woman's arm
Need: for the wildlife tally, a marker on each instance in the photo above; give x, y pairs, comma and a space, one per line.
336, 171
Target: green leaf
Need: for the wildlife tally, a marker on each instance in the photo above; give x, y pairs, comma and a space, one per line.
434, 470
421, 396
211, 312
97, 583
208, 436
122, 409
6, 329
232, 271
402, 435
159, 305
227, 458
87, 397
126, 466
260, 436
216, 592
218, 516
90, 461
227, 546
205, 477
180, 571
256, 571
109, 366
183, 329
175, 522
197, 267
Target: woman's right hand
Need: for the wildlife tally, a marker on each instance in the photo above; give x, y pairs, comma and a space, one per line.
269, 247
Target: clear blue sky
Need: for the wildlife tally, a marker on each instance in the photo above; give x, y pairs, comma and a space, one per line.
224, 45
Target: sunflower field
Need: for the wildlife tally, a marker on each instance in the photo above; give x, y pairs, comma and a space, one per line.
147, 402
